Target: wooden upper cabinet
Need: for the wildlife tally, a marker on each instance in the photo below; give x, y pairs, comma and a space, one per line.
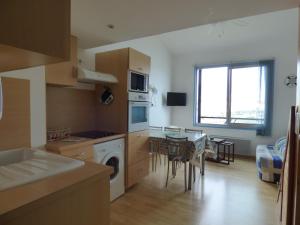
15, 131
139, 62
64, 73
33, 32
116, 63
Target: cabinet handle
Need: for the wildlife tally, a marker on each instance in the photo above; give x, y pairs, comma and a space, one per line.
140, 68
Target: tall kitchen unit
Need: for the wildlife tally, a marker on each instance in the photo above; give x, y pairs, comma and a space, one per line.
132, 69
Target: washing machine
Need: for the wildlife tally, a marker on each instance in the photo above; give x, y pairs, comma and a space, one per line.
111, 153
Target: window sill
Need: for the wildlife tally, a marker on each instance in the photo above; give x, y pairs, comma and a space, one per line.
226, 126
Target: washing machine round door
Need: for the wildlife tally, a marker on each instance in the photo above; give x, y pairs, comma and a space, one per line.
112, 160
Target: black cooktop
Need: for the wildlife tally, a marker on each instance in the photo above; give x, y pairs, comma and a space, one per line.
94, 134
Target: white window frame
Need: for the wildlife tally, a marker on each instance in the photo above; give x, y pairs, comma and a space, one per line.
228, 124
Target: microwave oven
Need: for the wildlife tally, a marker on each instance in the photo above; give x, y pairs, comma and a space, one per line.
138, 82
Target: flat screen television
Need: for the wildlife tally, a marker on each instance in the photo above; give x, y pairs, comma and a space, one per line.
176, 99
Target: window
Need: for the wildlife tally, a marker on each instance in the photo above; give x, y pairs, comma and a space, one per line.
235, 95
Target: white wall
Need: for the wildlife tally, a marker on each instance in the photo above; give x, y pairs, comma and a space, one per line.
36, 76
160, 76
283, 48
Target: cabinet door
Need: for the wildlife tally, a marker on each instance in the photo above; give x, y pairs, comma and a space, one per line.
138, 147
139, 62
137, 172
33, 33
64, 73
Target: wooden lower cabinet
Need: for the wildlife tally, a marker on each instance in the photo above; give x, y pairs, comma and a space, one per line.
85, 152
138, 146
86, 203
137, 172
137, 157
81, 153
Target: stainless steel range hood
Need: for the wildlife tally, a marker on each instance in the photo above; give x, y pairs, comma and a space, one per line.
88, 76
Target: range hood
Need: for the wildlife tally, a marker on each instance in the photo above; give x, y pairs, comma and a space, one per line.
88, 76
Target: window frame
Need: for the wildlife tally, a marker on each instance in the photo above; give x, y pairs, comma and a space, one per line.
268, 96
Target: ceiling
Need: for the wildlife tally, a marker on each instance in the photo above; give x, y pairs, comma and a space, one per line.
280, 25
140, 18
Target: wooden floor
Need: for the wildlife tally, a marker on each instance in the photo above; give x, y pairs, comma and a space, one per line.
226, 195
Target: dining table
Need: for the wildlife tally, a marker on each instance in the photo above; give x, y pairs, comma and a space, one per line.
196, 139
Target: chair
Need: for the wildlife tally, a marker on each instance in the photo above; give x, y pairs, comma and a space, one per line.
187, 130
156, 128
177, 152
163, 145
173, 129
198, 158
211, 150
155, 148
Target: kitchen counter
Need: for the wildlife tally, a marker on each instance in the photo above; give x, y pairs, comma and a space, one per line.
20, 201
58, 146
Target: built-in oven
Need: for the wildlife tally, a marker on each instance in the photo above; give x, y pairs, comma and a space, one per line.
138, 111
138, 82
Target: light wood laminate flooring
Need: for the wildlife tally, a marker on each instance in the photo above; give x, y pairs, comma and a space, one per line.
226, 195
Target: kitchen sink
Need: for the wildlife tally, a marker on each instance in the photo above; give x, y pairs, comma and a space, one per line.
15, 156
21, 166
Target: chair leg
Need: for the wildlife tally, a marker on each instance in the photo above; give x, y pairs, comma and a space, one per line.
233, 153
185, 186
159, 153
152, 156
155, 160
152, 162
194, 173
167, 174
165, 159
159, 156
202, 164
173, 168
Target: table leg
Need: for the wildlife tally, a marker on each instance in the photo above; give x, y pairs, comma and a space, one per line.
190, 177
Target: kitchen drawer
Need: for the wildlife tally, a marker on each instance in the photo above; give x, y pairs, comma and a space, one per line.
138, 146
137, 172
82, 153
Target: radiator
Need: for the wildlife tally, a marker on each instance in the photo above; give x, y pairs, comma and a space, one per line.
241, 146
